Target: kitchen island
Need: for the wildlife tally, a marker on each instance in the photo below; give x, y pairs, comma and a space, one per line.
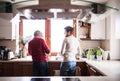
24, 66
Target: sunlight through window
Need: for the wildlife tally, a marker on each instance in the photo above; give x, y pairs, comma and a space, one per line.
30, 26
57, 33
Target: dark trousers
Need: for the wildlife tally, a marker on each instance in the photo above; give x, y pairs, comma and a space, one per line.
67, 68
40, 69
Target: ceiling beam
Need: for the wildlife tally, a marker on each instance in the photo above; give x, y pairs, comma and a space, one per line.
47, 4
55, 6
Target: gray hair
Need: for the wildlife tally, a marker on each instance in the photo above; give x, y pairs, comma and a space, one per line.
36, 33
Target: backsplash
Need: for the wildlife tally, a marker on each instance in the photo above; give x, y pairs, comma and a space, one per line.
9, 43
105, 45
90, 44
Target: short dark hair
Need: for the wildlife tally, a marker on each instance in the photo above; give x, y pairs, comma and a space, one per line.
36, 33
69, 29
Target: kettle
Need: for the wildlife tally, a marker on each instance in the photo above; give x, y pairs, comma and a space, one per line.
10, 55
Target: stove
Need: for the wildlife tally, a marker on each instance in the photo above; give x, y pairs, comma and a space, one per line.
55, 79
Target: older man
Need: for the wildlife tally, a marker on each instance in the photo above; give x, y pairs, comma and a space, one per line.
38, 49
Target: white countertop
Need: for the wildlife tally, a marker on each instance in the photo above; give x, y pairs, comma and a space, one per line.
109, 68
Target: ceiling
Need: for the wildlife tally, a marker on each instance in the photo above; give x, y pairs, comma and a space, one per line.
45, 4
97, 1
87, 2
22, 3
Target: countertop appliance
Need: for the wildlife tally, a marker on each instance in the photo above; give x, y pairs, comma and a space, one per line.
5, 53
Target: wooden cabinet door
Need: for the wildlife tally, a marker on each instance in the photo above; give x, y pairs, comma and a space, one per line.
53, 66
26, 69
23, 69
93, 72
1, 69
8, 69
83, 68
17, 69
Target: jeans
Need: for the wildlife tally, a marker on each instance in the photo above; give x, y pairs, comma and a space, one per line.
40, 69
67, 68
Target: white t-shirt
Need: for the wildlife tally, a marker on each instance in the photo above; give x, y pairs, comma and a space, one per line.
70, 48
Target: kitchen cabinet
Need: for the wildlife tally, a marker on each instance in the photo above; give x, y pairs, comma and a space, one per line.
55, 65
93, 31
6, 69
23, 69
93, 71
84, 30
16, 69
98, 30
83, 68
1, 69
7, 29
6, 32
26, 69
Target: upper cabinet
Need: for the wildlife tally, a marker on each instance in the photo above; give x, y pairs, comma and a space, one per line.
84, 30
7, 31
98, 30
94, 31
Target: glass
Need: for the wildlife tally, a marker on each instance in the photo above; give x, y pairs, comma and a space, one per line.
30, 26
57, 33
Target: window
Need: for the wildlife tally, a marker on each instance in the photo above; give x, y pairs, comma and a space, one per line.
57, 33
30, 26
53, 31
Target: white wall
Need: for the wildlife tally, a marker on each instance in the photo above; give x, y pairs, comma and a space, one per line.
114, 42
117, 24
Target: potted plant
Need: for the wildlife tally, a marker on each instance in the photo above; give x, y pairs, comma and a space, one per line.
91, 54
22, 43
99, 55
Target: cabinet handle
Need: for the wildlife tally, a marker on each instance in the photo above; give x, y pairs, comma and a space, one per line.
93, 70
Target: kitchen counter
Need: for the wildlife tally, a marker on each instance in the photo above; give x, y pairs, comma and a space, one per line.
29, 59
25, 59
109, 68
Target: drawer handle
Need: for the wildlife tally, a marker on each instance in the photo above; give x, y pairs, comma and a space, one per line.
93, 70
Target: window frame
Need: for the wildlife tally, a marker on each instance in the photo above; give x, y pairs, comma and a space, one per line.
47, 31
